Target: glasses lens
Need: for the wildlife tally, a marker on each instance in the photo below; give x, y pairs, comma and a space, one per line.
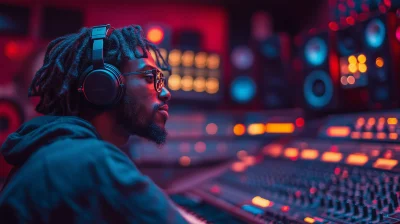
159, 81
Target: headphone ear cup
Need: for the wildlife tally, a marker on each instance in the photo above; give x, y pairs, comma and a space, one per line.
102, 87
120, 80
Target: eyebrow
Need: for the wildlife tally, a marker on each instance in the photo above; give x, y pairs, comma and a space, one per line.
147, 67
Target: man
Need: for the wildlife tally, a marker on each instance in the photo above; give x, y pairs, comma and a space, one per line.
97, 87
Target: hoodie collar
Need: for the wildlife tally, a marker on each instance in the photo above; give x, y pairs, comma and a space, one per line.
41, 131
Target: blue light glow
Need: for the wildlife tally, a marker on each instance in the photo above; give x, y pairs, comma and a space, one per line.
375, 33
243, 89
316, 51
314, 100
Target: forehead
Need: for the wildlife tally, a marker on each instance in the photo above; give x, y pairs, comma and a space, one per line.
137, 64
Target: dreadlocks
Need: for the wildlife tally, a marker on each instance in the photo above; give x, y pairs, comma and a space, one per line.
69, 56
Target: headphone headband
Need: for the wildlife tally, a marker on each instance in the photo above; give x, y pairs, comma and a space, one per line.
101, 84
99, 33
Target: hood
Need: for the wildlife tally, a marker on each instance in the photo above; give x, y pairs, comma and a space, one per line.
43, 130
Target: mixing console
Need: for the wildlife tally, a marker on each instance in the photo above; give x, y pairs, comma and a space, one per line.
196, 137
320, 179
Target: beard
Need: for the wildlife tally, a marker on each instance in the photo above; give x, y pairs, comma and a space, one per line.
137, 121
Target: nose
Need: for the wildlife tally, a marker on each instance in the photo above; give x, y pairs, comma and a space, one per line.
164, 95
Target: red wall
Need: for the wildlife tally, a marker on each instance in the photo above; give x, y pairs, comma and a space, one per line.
210, 21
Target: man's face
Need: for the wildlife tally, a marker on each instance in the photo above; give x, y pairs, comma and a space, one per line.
143, 111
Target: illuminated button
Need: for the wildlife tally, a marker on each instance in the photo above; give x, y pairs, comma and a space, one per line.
379, 62
255, 129
386, 164
309, 154
338, 131
355, 135
253, 210
261, 202
332, 157
280, 128
381, 135
393, 136
357, 159
239, 129
392, 121
367, 135
309, 220
361, 58
291, 152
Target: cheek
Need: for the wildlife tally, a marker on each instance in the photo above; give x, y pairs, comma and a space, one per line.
143, 94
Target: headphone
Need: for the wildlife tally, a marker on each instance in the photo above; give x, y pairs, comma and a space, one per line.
101, 84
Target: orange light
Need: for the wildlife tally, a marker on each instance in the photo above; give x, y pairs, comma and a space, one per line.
261, 202
357, 159
352, 59
374, 153
371, 121
393, 136
213, 61
155, 35
280, 128
381, 135
361, 58
174, 58
332, 156
188, 58
309, 220
291, 152
362, 68
211, 129
200, 60
367, 135
352, 68
355, 135
273, 150
338, 131
184, 161
360, 121
199, 84
309, 154
392, 120
386, 164
238, 166
187, 83
239, 129
379, 62
249, 160
212, 85
255, 129
174, 82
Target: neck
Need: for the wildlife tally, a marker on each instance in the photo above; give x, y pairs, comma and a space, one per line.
108, 129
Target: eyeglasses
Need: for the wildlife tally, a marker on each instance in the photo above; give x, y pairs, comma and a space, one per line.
158, 77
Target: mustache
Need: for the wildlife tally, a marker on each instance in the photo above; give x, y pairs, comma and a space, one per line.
158, 106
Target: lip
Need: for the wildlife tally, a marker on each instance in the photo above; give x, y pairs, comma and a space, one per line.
164, 108
164, 111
